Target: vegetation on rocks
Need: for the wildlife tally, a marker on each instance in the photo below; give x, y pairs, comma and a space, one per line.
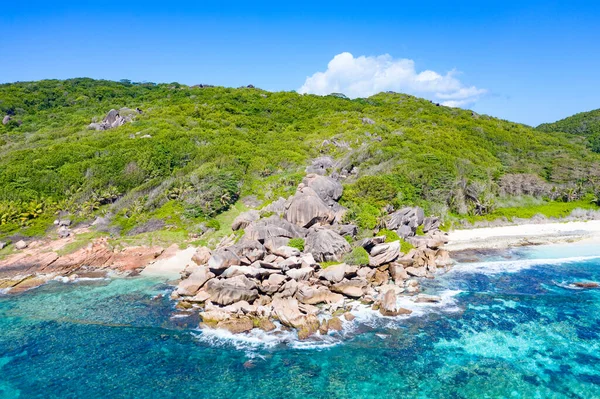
359, 256
297, 243
191, 153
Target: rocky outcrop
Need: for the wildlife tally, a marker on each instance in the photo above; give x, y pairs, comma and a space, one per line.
39, 262
326, 245
234, 289
115, 118
264, 281
244, 219
306, 209
195, 281
328, 189
388, 305
320, 165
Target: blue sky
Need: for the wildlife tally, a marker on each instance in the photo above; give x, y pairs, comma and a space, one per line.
526, 61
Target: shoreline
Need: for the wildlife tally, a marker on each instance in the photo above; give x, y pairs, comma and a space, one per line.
523, 235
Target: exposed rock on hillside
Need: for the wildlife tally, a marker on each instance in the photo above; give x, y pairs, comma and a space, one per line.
115, 118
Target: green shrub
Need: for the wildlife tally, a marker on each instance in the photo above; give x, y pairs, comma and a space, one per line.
297, 243
358, 256
213, 224
389, 235
420, 231
405, 246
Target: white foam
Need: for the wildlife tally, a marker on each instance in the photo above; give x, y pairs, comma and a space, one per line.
180, 316
67, 280
365, 315
512, 266
259, 339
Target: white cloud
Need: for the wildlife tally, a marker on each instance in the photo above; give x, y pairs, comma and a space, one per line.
364, 76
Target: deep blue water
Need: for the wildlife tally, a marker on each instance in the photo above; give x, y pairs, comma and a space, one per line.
515, 330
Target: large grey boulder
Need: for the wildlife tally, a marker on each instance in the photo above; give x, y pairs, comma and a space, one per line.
272, 243
326, 245
388, 307
194, 282
351, 288
369, 243
334, 273
114, 119
326, 188
301, 274
277, 207
384, 253
320, 165
431, 223
289, 288
345, 229
6, 119
271, 285
312, 295
244, 219
412, 217
286, 252
306, 209
245, 252
288, 312
271, 227
248, 271
202, 255
231, 290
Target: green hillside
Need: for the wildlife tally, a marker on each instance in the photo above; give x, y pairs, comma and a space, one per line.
584, 124
194, 152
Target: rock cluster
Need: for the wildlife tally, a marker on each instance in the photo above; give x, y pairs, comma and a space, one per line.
115, 118
261, 279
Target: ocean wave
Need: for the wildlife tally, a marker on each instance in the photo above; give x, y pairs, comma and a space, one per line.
70, 280
257, 339
364, 315
512, 266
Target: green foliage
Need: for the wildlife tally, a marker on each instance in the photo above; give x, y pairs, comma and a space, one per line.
297, 243
390, 235
358, 256
584, 124
208, 147
405, 246
420, 231
213, 224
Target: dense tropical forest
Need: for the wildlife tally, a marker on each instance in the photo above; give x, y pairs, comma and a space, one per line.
585, 124
190, 154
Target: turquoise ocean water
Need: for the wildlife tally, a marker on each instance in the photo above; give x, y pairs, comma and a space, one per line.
509, 327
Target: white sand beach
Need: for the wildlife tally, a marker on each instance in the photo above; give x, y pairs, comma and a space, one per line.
526, 234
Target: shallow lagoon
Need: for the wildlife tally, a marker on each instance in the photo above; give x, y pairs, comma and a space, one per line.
509, 326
